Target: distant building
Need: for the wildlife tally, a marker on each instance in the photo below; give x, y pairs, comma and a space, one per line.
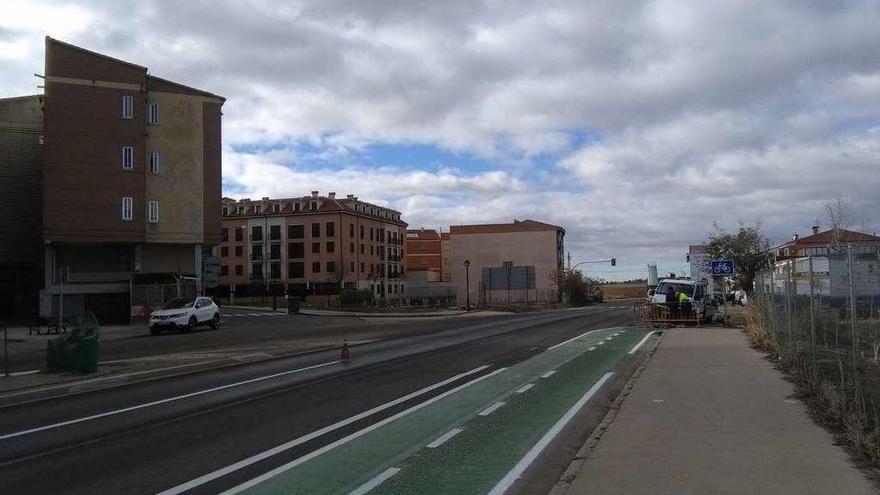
511, 262
311, 246
424, 254
826, 252
698, 259
129, 183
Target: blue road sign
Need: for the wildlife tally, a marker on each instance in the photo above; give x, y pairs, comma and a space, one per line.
721, 267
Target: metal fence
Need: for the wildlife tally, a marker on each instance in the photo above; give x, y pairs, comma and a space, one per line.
528, 297
822, 316
145, 298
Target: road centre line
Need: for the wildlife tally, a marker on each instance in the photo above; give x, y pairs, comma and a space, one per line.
444, 438
494, 407
572, 339
201, 480
548, 374
523, 464
641, 343
525, 388
373, 483
162, 401
592, 348
315, 453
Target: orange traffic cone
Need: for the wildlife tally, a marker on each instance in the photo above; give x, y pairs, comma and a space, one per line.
345, 356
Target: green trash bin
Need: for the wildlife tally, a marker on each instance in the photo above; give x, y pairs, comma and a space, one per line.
77, 351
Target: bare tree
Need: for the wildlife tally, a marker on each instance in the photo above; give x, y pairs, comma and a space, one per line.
840, 218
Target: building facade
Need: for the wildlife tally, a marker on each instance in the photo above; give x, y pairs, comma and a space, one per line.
508, 263
424, 253
130, 178
311, 246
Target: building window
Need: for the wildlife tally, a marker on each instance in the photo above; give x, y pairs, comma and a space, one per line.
316, 248
127, 157
351, 230
275, 271
362, 231
275, 252
225, 211
274, 232
257, 233
239, 251
316, 267
224, 252
127, 107
371, 250
224, 234
371, 233
258, 209
362, 268
239, 234
257, 271
331, 247
295, 250
153, 113
296, 269
276, 208
313, 205
295, 232
153, 211
239, 269
331, 267
154, 166
351, 266
224, 270
316, 230
297, 207
351, 247
127, 208
331, 229
239, 210
362, 249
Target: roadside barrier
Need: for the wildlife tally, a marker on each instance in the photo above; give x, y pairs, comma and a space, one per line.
646, 312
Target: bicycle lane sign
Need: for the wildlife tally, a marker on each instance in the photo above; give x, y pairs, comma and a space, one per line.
721, 267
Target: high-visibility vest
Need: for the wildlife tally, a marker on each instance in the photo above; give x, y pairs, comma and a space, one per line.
682, 297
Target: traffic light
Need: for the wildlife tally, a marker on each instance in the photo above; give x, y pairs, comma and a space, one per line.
613, 261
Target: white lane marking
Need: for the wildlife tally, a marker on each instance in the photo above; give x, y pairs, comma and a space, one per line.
494, 407
592, 348
548, 374
525, 388
330, 446
571, 339
533, 453
161, 401
444, 438
23, 373
201, 480
373, 483
609, 338
600, 343
641, 343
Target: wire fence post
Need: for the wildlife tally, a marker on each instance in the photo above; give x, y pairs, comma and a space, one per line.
813, 366
788, 315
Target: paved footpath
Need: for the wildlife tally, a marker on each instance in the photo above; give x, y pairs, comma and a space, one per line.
711, 415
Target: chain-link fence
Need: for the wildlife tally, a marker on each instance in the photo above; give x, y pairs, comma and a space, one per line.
821, 316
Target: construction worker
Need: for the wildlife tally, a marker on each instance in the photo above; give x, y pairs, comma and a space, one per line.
685, 304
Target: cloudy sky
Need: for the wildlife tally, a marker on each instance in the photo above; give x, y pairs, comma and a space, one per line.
635, 125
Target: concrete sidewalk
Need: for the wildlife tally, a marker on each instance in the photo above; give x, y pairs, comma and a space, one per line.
710, 415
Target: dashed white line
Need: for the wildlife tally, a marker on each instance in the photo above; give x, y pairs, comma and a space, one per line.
548, 374
570, 340
444, 438
162, 401
533, 453
373, 483
525, 388
494, 407
315, 453
641, 343
592, 348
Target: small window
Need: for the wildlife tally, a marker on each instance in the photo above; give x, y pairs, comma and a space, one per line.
153, 211
316, 230
331, 267
316, 248
276, 208
224, 270
154, 166
313, 205
297, 207
258, 209
239, 269
331, 247
330, 229
316, 267
127, 107
224, 251
295, 232
225, 211
224, 234
153, 113
239, 210
127, 157
127, 208
351, 266
239, 251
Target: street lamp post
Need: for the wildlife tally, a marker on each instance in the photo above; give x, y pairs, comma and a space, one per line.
467, 283
613, 262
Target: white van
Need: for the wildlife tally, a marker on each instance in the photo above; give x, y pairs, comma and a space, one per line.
696, 291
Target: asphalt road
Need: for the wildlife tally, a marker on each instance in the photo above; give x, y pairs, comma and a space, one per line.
154, 436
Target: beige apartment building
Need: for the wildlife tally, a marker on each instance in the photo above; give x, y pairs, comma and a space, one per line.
508, 263
311, 246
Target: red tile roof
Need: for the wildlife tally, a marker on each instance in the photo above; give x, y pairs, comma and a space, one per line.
827, 237
504, 228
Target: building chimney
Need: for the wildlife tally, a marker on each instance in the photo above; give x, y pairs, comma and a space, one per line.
350, 196
332, 195
794, 237
815, 229
265, 198
314, 194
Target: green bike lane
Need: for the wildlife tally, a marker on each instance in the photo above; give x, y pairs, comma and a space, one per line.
465, 440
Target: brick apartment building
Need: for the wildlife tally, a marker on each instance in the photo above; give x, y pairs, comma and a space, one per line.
424, 254
130, 168
509, 262
311, 246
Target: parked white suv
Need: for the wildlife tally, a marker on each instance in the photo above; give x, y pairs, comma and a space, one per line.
180, 313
